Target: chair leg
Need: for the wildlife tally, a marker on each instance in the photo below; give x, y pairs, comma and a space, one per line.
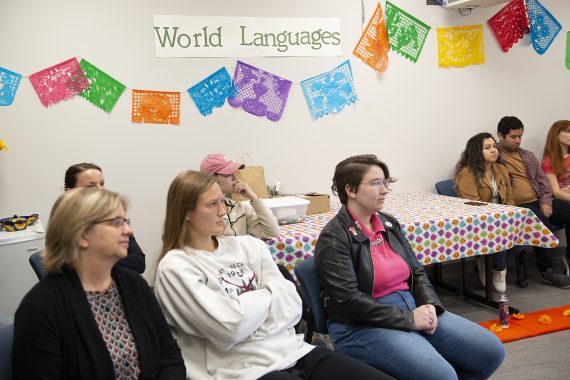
521, 269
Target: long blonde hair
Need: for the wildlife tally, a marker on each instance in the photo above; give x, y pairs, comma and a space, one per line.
74, 212
183, 195
552, 146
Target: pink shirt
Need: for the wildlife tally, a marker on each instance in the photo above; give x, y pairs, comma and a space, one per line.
391, 272
564, 178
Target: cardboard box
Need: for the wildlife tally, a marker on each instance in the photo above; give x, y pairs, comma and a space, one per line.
319, 202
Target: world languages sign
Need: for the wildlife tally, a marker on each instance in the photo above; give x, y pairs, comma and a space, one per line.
203, 36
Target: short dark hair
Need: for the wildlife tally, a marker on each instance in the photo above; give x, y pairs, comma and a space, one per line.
509, 123
71, 173
350, 172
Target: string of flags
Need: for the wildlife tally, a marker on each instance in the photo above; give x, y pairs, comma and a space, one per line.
265, 94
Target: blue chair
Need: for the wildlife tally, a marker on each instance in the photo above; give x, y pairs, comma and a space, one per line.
446, 187
6, 337
38, 265
308, 277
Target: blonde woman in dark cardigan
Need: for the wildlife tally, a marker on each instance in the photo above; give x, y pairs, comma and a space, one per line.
90, 319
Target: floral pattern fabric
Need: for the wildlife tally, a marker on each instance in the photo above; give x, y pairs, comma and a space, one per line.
438, 229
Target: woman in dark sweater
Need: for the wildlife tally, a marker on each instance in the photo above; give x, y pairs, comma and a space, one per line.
89, 319
90, 175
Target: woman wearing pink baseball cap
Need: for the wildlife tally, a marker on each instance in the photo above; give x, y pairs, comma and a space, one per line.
255, 218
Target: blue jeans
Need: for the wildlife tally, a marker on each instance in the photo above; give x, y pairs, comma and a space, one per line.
459, 348
500, 260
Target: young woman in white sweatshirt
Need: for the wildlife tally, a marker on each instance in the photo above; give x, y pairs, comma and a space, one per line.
227, 304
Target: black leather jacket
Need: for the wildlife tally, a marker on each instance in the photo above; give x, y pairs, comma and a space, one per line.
346, 274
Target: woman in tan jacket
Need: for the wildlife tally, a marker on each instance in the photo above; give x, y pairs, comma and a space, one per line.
479, 177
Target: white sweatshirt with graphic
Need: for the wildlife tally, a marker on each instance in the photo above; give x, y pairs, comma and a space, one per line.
231, 310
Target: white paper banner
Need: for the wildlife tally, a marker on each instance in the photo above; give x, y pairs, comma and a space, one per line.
202, 36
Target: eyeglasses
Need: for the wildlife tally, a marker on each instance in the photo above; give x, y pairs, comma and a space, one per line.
378, 183
117, 221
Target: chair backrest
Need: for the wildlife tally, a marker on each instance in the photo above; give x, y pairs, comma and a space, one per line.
38, 265
306, 272
446, 188
6, 336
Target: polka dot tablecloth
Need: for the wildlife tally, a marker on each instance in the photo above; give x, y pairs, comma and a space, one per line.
438, 228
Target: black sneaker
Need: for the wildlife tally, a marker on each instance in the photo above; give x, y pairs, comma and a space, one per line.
556, 279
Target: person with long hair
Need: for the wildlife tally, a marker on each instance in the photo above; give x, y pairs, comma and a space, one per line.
88, 318
89, 175
253, 218
227, 304
380, 304
556, 165
479, 177
556, 160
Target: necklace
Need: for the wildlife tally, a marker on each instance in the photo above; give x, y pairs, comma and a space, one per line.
377, 241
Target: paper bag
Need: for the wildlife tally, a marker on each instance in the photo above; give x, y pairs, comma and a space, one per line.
254, 176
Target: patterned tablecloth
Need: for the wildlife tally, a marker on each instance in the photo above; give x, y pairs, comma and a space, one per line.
439, 228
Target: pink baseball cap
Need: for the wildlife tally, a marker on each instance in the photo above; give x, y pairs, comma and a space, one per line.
219, 163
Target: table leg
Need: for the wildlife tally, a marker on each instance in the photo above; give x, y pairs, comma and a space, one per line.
486, 300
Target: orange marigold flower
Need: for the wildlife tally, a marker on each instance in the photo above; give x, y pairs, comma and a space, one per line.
566, 313
518, 316
495, 328
545, 319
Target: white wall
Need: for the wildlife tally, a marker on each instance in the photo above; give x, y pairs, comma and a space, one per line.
416, 117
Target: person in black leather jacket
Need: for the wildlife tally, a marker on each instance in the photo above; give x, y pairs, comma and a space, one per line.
380, 304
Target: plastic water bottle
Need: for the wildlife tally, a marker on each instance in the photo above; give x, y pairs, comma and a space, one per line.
504, 312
